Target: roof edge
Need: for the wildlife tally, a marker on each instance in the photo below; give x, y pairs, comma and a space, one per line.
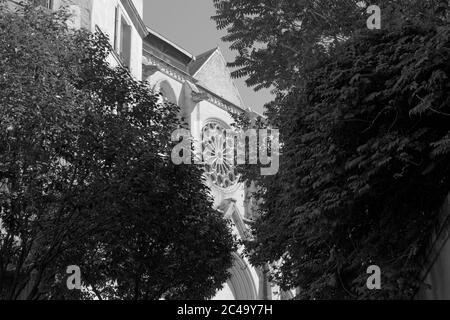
135, 17
213, 51
172, 44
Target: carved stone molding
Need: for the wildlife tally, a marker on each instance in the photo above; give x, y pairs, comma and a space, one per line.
149, 70
198, 97
203, 94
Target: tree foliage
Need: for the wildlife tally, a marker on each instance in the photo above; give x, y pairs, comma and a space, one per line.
278, 40
364, 129
86, 176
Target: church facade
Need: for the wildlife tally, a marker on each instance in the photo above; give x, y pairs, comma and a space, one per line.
202, 87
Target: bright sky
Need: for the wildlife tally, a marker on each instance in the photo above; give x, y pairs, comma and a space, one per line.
188, 24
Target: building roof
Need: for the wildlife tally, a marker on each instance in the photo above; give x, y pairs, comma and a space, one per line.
200, 60
154, 36
208, 70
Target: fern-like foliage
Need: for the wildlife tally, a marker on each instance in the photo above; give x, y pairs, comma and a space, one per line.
365, 164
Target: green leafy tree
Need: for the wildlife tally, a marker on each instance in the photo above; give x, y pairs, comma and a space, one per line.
363, 119
87, 179
277, 41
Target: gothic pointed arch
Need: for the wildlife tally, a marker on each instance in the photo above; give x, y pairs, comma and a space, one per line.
241, 281
167, 92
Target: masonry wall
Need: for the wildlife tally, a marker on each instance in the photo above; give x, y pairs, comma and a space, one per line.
103, 16
93, 14
214, 75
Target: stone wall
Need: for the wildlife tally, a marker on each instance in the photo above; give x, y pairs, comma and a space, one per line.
81, 10
215, 76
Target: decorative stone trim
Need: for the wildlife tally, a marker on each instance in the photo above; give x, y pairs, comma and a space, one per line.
198, 97
153, 64
165, 68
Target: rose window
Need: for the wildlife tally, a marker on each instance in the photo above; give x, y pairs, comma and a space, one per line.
218, 156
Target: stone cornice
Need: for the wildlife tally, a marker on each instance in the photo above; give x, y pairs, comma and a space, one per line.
221, 102
199, 97
153, 63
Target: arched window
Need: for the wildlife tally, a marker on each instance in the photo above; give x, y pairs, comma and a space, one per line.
165, 89
218, 155
241, 281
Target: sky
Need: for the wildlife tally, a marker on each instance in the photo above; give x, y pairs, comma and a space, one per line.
188, 24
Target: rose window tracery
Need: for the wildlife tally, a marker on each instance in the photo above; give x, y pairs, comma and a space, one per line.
218, 156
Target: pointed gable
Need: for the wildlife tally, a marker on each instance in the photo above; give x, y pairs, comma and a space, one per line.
210, 70
200, 60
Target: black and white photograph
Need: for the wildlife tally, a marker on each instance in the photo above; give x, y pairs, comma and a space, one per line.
224, 155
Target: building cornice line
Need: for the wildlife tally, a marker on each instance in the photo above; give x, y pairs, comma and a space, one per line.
181, 76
